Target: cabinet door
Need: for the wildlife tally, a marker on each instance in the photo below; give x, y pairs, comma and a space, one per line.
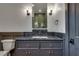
44, 52
56, 52
56, 21
19, 52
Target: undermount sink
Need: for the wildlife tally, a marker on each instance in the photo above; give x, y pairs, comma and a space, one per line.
39, 37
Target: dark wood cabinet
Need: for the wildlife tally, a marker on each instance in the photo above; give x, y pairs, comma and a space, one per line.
19, 52
38, 48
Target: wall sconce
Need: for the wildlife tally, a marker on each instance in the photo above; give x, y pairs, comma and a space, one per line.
50, 13
27, 11
56, 22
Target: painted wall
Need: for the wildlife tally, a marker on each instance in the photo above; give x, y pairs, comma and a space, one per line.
58, 13
13, 17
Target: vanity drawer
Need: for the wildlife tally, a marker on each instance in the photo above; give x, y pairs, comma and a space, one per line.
27, 44
50, 52
26, 52
51, 44
57, 52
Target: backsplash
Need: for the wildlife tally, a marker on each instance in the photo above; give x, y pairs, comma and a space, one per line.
36, 33
39, 32
42, 33
61, 35
10, 35
13, 35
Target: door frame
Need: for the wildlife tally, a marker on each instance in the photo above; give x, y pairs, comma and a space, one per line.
67, 22
72, 27
66, 37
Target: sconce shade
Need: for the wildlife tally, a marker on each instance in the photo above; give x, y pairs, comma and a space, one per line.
50, 12
28, 13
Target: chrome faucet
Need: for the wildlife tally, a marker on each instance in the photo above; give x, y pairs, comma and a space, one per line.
39, 32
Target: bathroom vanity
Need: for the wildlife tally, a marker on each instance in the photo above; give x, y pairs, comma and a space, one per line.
29, 46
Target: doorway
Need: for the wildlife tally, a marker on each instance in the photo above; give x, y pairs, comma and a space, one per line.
73, 29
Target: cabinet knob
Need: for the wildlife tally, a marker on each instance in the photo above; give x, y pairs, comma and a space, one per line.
49, 52
72, 41
26, 53
29, 53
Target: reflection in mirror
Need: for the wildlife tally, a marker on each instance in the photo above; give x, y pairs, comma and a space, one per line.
39, 18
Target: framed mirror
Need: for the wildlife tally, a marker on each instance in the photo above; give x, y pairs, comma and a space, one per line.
39, 19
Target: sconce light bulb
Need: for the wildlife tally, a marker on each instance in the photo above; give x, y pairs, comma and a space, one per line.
33, 5
50, 11
40, 10
27, 11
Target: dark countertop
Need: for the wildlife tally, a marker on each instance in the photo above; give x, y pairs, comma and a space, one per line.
30, 38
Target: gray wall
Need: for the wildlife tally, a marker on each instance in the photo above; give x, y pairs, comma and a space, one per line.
58, 13
13, 17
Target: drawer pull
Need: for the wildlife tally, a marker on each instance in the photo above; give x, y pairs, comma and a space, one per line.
50, 52
26, 53
29, 53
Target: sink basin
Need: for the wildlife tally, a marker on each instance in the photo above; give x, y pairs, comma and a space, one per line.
40, 37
